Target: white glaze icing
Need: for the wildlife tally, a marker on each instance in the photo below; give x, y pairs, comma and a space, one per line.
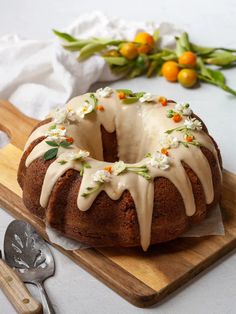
138, 127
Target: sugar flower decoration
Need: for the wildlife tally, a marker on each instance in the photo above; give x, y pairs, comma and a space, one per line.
104, 92
63, 115
193, 124
118, 167
56, 134
183, 109
147, 97
85, 108
76, 156
168, 141
159, 160
102, 176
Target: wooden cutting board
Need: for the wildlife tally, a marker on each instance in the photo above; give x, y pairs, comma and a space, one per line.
141, 278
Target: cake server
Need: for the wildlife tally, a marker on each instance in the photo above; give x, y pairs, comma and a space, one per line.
27, 252
16, 291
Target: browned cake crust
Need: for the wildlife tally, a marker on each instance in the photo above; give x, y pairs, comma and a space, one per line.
109, 222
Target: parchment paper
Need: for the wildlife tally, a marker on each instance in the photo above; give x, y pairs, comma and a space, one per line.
212, 225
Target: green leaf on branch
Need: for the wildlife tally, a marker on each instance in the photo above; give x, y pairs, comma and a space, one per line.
221, 58
77, 45
90, 49
156, 35
213, 75
182, 44
64, 36
116, 60
152, 68
205, 51
184, 41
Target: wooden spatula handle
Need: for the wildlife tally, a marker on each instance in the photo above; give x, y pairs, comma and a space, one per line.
16, 291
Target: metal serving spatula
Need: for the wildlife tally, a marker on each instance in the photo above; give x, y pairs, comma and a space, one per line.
27, 252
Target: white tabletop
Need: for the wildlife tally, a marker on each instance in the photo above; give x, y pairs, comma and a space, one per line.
210, 22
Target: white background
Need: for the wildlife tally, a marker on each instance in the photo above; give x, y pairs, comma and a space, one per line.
209, 22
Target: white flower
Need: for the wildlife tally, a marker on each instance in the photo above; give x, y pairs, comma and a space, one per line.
104, 92
84, 108
158, 160
169, 141
118, 167
183, 109
193, 124
147, 97
102, 176
56, 135
80, 155
63, 115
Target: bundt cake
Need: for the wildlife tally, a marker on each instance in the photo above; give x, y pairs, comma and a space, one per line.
118, 168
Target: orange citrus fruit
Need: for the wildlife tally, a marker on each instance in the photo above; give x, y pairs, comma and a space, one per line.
188, 58
129, 50
170, 70
187, 77
145, 41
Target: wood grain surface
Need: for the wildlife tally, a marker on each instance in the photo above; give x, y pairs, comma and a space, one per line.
141, 278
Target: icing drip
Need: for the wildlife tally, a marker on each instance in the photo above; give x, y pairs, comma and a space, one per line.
138, 128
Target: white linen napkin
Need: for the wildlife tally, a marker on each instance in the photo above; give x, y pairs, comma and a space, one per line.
37, 75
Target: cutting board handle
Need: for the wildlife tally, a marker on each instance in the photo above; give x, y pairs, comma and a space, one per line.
15, 124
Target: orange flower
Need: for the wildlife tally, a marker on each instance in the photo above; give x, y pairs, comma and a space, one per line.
164, 151
189, 138
121, 95
70, 139
62, 128
163, 101
108, 168
100, 108
176, 117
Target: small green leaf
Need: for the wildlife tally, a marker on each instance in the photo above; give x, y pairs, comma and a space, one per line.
179, 50
135, 72
86, 165
139, 94
144, 174
90, 49
77, 45
50, 154
217, 76
94, 98
185, 144
130, 100
184, 41
116, 60
205, 51
221, 58
152, 68
127, 92
201, 51
142, 62
52, 127
51, 143
62, 162
64, 36
156, 35
65, 144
